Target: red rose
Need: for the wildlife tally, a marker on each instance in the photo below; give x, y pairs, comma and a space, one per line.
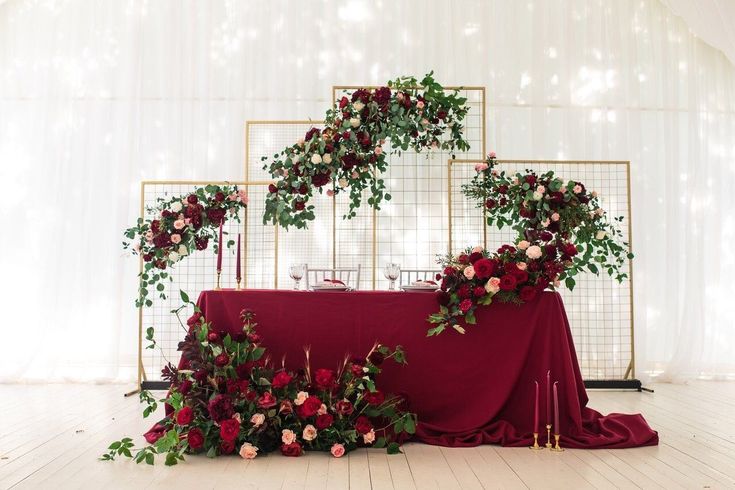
194, 319
155, 434
376, 358
292, 450
569, 249
299, 205
267, 400
324, 421
213, 337
382, 96
442, 297
506, 248
155, 226
465, 305
531, 179
311, 133
521, 276
475, 256
220, 408
464, 291
324, 378
525, 212
185, 416
222, 360
310, 407
527, 293
503, 189
192, 199
216, 215
449, 271
251, 395
201, 243
441, 114
374, 397
147, 257
185, 387
243, 370
490, 203
344, 407
233, 386
195, 438
229, 429
479, 292
363, 425
508, 282
286, 407
545, 236
281, 379
356, 370
463, 259
226, 447
484, 268
272, 188
321, 179
244, 385
343, 102
219, 197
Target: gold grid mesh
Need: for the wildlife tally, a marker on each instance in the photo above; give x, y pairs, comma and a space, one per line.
198, 272
600, 310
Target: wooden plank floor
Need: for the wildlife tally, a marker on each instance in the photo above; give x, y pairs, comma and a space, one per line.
51, 436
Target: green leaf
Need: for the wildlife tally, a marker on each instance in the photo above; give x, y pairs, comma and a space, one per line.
394, 448
184, 296
570, 283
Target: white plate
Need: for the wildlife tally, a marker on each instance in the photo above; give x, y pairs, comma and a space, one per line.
410, 287
329, 288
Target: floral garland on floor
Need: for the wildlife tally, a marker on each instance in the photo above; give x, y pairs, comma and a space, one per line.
562, 231
230, 399
181, 225
350, 152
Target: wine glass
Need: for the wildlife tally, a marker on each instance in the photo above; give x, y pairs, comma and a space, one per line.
296, 272
392, 272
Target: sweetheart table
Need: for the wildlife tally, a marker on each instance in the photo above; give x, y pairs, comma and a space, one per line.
467, 390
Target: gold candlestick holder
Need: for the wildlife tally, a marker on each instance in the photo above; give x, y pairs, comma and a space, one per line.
238, 288
548, 436
557, 447
219, 273
535, 446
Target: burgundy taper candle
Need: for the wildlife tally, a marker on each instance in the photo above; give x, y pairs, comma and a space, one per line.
238, 276
548, 397
219, 250
535, 412
556, 410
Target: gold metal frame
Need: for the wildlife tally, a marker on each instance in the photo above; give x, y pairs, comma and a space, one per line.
630, 371
142, 376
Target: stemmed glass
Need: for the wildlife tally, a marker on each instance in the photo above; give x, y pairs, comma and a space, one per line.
296, 272
392, 272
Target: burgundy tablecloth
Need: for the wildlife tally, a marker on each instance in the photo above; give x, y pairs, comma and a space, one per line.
466, 389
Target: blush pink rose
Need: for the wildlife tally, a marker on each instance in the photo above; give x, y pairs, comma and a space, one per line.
301, 397
493, 285
338, 450
378, 150
469, 272
330, 192
523, 245
309, 433
369, 438
478, 249
491, 154
522, 266
480, 167
175, 238
179, 224
248, 451
533, 252
540, 189
322, 410
243, 196
257, 419
288, 436
555, 217
577, 189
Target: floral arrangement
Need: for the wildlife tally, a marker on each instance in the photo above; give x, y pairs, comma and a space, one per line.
350, 152
230, 399
547, 209
512, 274
182, 224
562, 231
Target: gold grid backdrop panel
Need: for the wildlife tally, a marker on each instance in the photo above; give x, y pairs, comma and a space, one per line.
313, 246
197, 272
600, 310
410, 229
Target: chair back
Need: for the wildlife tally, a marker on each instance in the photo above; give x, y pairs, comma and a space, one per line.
408, 276
349, 276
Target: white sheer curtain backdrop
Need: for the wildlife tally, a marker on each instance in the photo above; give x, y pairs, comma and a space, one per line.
98, 95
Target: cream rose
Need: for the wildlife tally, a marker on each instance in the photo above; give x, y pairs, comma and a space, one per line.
537, 196
248, 451
327, 158
469, 272
176, 206
183, 251
342, 182
355, 121
338, 450
533, 252
369, 438
493, 285
358, 105
301, 397
600, 235
288, 436
316, 158
257, 419
309, 433
173, 257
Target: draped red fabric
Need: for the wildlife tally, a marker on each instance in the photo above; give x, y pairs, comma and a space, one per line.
467, 389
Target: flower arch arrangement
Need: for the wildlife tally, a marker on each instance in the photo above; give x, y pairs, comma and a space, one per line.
562, 231
181, 225
351, 151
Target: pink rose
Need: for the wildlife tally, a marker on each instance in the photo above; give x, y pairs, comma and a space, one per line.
555, 217
469, 272
243, 196
330, 192
257, 419
288, 436
478, 249
175, 238
533, 252
322, 410
480, 167
491, 154
369, 438
378, 150
523, 245
301, 397
248, 451
149, 236
493, 285
420, 104
522, 266
338, 450
577, 189
179, 224
309, 433
540, 189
